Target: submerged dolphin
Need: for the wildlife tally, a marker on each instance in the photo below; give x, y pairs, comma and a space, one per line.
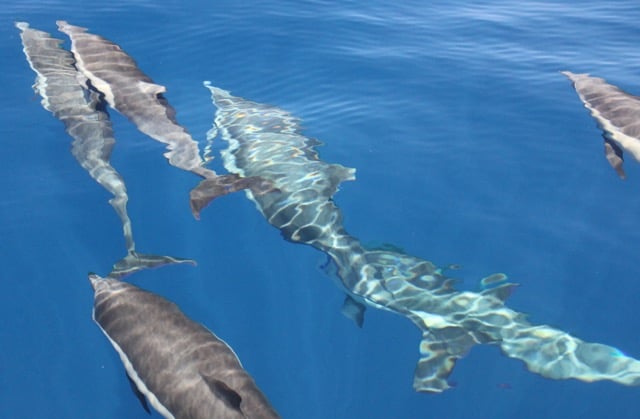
65, 93
266, 141
183, 369
132, 93
617, 114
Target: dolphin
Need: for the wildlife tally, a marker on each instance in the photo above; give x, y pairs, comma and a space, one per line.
184, 370
65, 93
128, 90
617, 114
268, 142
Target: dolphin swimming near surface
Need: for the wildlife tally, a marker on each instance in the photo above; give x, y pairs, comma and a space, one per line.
183, 369
132, 93
268, 142
65, 93
617, 114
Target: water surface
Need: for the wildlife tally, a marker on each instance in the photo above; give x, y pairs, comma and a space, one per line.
470, 148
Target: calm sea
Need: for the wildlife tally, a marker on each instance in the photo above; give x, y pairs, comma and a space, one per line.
470, 147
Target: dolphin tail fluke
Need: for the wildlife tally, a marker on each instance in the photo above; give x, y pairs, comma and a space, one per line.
546, 351
135, 262
211, 188
555, 354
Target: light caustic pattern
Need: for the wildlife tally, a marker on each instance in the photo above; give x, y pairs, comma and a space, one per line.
266, 141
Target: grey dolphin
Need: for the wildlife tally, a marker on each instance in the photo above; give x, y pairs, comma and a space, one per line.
617, 114
132, 93
182, 368
268, 142
65, 93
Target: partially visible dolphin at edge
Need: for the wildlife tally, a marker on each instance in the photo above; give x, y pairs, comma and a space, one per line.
182, 368
617, 114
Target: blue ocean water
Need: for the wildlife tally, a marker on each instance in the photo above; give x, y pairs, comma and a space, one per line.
470, 147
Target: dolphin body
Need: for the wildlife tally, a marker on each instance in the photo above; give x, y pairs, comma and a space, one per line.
183, 369
128, 90
266, 141
66, 94
617, 114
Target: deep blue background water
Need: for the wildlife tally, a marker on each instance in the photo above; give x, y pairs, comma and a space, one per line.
470, 148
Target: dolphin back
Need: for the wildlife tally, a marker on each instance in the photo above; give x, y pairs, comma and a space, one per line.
183, 369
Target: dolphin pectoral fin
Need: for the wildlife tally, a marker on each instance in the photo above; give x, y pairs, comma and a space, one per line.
224, 392
135, 262
613, 153
353, 310
139, 395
